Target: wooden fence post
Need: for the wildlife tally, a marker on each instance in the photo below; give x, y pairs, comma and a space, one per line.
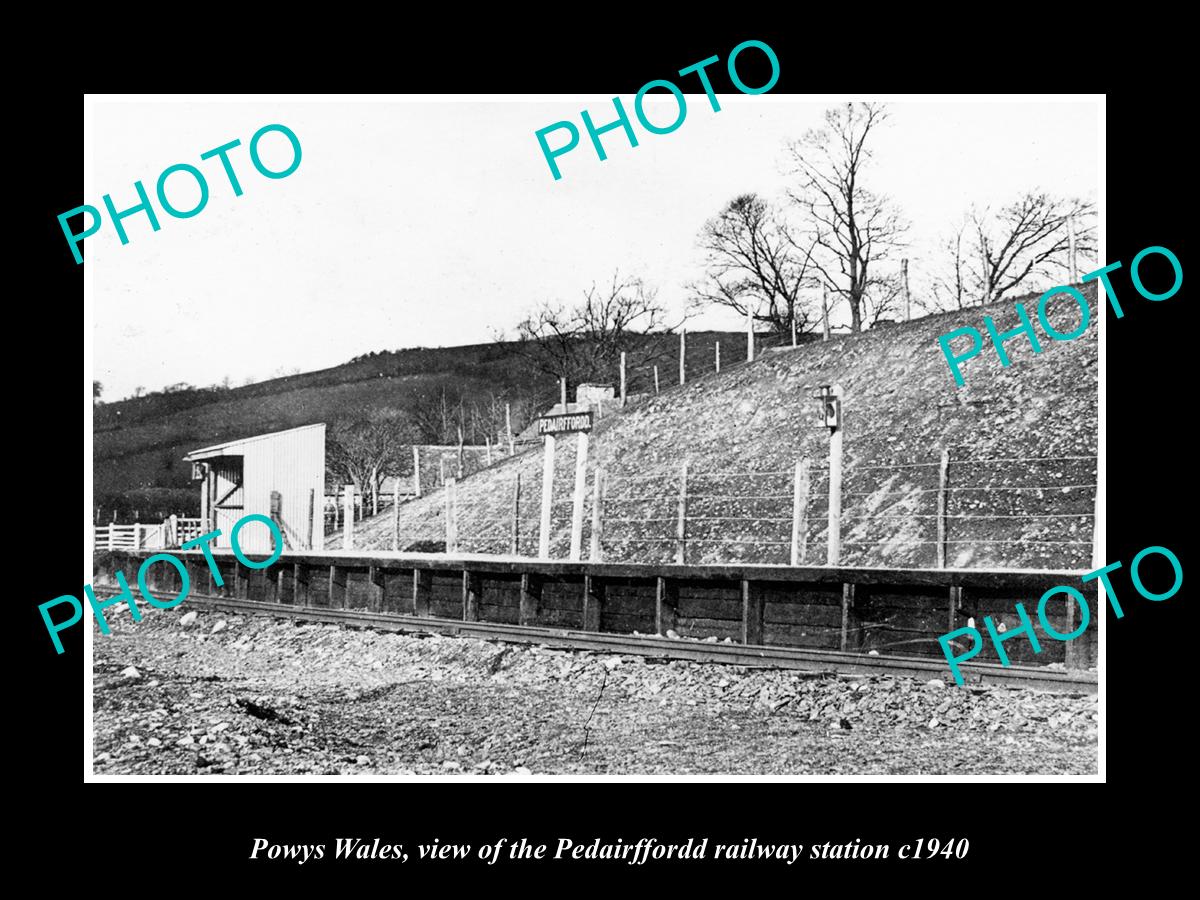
508, 428
547, 497
681, 522
581, 454
622, 377
348, 518
515, 525
312, 513
416, 470
514, 536
682, 355
800, 512
597, 554
451, 515
396, 517
1071, 258
656, 379
717, 351
749, 336
943, 477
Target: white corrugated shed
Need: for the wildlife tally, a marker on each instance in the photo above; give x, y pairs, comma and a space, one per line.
279, 475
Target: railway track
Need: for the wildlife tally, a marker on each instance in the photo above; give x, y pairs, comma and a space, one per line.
654, 647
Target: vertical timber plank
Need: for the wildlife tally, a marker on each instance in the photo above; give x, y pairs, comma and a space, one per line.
753, 606
593, 602
300, 585
847, 605
337, 587
422, 589
378, 589
531, 598
472, 587
666, 605
956, 593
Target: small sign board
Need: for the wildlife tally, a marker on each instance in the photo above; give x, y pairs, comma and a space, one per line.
567, 423
199, 471
833, 412
831, 407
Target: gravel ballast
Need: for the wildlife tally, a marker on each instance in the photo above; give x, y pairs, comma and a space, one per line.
238, 695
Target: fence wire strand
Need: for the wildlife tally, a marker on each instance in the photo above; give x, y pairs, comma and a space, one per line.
902, 506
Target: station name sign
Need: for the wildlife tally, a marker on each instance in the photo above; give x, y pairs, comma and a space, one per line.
565, 424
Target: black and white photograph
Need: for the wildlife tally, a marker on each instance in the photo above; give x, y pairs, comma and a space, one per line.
519, 437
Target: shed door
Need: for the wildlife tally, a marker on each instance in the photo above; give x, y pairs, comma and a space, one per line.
228, 496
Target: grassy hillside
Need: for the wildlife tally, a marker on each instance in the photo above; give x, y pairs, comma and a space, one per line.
139, 443
1022, 442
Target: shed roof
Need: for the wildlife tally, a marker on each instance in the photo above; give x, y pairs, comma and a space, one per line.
231, 446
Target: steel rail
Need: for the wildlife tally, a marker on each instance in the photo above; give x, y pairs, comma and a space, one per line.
655, 647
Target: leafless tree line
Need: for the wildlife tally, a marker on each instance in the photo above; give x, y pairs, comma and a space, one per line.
364, 447
583, 341
834, 240
995, 253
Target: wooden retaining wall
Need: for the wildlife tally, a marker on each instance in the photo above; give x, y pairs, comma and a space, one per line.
888, 611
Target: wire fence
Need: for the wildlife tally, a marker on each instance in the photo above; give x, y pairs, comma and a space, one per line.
956, 511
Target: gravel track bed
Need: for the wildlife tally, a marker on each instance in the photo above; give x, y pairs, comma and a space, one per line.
264, 696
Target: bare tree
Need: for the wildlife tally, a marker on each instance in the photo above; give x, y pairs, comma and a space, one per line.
438, 416
434, 415
753, 266
1027, 242
884, 294
583, 342
950, 286
364, 449
853, 227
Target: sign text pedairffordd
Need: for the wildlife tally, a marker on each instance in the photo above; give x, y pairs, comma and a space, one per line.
568, 423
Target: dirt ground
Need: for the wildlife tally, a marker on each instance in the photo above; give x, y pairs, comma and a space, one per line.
250, 695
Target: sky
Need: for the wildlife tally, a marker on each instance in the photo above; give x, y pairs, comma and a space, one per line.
416, 222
